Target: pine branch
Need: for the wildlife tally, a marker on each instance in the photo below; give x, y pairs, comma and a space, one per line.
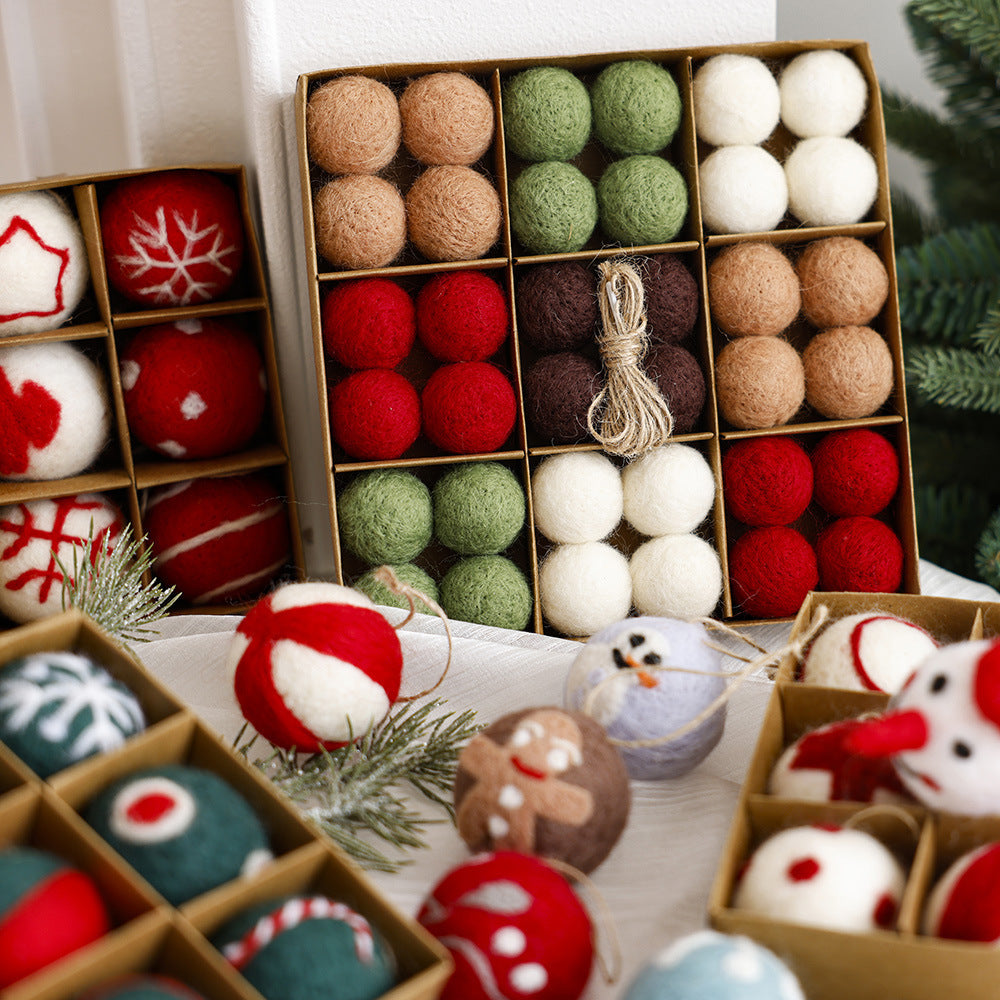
910, 223
987, 334
988, 552
951, 376
949, 520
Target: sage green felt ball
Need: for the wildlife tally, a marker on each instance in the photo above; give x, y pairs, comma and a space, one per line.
643, 200
636, 107
407, 573
487, 590
385, 516
546, 114
478, 508
553, 208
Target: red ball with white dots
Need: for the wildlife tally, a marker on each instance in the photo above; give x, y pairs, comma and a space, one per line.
462, 316
193, 389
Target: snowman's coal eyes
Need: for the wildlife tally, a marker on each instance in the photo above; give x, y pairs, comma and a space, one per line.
636, 639
652, 659
960, 749
938, 683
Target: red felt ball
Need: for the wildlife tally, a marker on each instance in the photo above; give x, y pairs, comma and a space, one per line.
468, 407
217, 540
771, 569
767, 481
374, 414
173, 237
368, 323
855, 472
859, 554
462, 316
193, 389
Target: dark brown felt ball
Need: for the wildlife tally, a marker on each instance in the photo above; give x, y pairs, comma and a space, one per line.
557, 306
558, 391
753, 290
844, 282
679, 377
848, 372
759, 382
671, 298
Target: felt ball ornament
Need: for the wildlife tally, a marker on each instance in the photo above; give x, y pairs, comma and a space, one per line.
832, 181
767, 481
479, 508
753, 290
407, 573
462, 316
447, 118
385, 516
374, 414
676, 576
678, 376
360, 222
172, 237
543, 781
557, 306
736, 101
453, 213
620, 679
844, 282
759, 382
43, 262
368, 323
553, 208
854, 472
668, 490
218, 539
584, 587
193, 389
546, 114
558, 391
141, 986
352, 125
848, 372
636, 107
671, 298
963, 904
468, 407
859, 554
641, 200
487, 590
54, 410
514, 927
743, 190
823, 92
48, 910
577, 497
58, 708
771, 569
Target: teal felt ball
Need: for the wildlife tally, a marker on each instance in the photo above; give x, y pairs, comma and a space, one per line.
546, 114
636, 107
553, 208
479, 508
487, 590
643, 200
141, 986
407, 573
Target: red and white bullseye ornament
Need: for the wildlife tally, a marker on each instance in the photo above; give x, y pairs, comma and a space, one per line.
315, 665
964, 904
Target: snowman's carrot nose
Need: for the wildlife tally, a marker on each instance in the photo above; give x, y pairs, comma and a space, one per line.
889, 735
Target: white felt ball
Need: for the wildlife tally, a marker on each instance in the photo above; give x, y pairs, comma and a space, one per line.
676, 576
832, 181
584, 587
576, 497
668, 491
736, 101
823, 92
43, 262
743, 190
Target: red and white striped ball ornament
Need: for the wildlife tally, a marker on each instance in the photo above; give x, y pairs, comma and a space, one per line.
964, 904
315, 665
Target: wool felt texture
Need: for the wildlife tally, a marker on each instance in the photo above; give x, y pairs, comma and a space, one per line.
576, 496
743, 190
822, 93
546, 114
753, 290
767, 481
479, 508
195, 388
557, 306
54, 410
34, 534
771, 569
374, 414
487, 590
676, 576
636, 107
141, 986
385, 516
368, 323
844, 282
668, 491
468, 407
584, 587
558, 391
43, 264
615, 679
832, 181
314, 665
641, 200
447, 118
408, 573
848, 372
453, 213
736, 101
759, 382
836, 878
462, 316
962, 905
218, 540
859, 553
671, 297
48, 910
855, 472
545, 949
172, 237
360, 222
58, 708
681, 382
553, 208
544, 781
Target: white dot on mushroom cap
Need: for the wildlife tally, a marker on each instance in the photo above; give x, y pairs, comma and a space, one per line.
529, 978
509, 941
193, 406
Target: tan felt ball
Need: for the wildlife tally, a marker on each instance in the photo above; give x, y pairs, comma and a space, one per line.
360, 222
453, 213
759, 382
447, 118
844, 282
753, 290
352, 125
848, 372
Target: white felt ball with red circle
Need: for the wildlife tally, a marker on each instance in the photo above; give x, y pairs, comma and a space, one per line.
964, 904
315, 665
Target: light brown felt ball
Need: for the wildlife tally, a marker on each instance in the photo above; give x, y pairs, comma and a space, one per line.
848, 372
844, 282
759, 382
352, 125
753, 290
447, 118
453, 213
360, 222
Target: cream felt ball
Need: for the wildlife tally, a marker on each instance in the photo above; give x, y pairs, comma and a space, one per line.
759, 382
676, 576
636, 107
843, 281
360, 222
584, 587
54, 411
848, 372
753, 290
642, 200
546, 114
553, 208
668, 490
736, 100
832, 181
487, 590
823, 92
479, 508
576, 497
447, 118
385, 516
743, 190
43, 262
